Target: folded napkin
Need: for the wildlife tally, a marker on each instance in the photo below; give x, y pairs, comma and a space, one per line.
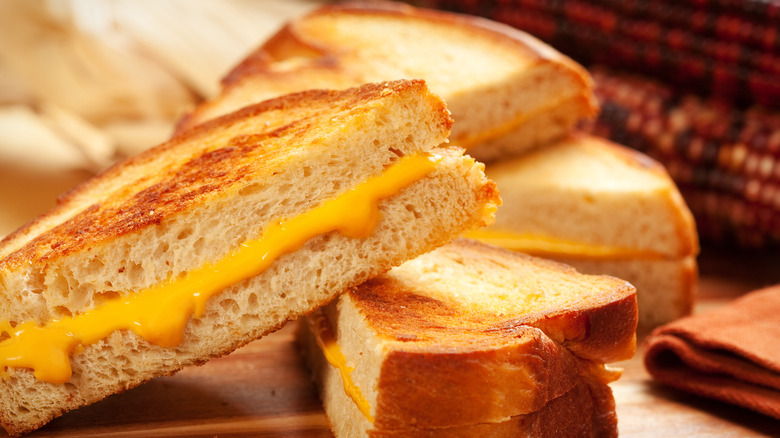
730, 354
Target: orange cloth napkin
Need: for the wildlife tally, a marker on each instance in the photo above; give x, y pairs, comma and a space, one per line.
731, 354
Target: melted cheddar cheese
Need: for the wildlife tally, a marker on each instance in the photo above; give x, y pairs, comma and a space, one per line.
326, 340
160, 312
552, 246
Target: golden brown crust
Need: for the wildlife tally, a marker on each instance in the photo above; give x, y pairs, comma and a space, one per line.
602, 333
471, 334
472, 380
610, 331
587, 410
181, 173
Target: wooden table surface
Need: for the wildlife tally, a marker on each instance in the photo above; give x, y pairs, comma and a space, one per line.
263, 390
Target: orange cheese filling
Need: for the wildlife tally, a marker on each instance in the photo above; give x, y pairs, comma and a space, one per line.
160, 312
552, 246
326, 340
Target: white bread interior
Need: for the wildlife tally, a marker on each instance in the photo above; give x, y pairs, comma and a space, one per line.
588, 190
540, 129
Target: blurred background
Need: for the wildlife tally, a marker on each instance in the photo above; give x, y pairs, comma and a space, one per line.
84, 83
695, 84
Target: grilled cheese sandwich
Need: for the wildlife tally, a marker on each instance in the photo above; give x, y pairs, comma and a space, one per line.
603, 209
465, 337
221, 235
159, 313
500, 83
319, 328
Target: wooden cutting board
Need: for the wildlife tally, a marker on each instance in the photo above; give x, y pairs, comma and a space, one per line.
262, 390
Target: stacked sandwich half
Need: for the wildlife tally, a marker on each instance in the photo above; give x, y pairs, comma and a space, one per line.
472, 341
603, 209
516, 102
221, 235
272, 201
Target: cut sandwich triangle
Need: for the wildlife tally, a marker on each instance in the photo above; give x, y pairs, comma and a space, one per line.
320, 328
470, 334
160, 312
494, 78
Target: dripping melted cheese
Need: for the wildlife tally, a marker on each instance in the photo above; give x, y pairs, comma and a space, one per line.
160, 312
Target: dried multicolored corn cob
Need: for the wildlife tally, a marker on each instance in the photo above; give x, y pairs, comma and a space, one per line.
596, 34
725, 160
747, 22
677, 35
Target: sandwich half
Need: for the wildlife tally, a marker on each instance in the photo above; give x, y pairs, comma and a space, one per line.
472, 340
507, 90
603, 209
223, 234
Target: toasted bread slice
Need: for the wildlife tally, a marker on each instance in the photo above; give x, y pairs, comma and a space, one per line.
464, 335
585, 410
604, 209
494, 78
232, 210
